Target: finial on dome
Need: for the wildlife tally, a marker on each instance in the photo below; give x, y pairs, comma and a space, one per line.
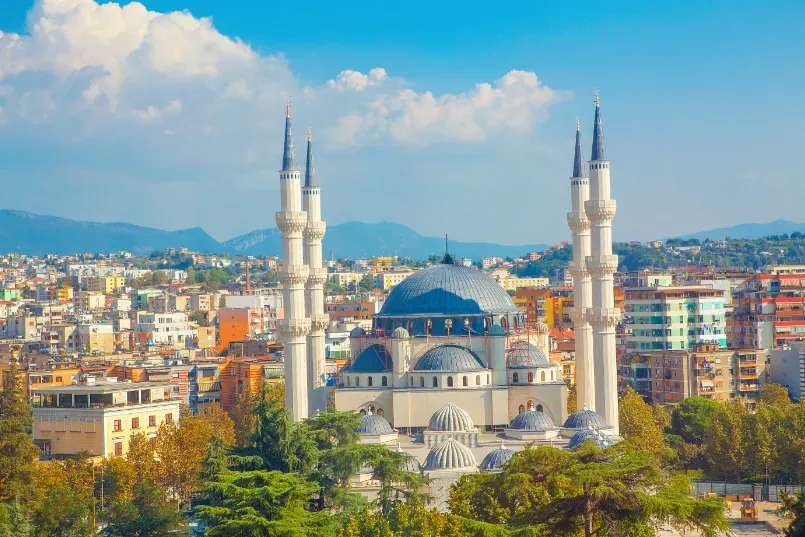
597, 100
447, 259
370, 412
288, 108
309, 135
578, 125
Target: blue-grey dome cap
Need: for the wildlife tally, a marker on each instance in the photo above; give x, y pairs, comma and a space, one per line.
581, 436
447, 289
522, 354
449, 358
497, 330
373, 359
532, 420
357, 332
585, 419
410, 463
400, 333
450, 455
450, 418
374, 425
497, 458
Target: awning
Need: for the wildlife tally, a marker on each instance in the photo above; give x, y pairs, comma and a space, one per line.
707, 384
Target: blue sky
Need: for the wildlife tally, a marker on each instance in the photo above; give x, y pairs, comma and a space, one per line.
161, 119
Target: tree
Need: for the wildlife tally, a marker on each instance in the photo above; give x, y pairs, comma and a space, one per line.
775, 395
243, 417
17, 450
692, 419
14, 522
146, 515
116, 477
638, 425
726, 443
662, 416
218, 423
142, 457
404, 520
199, 317
67, 498
222, 302
796, 506
572, 399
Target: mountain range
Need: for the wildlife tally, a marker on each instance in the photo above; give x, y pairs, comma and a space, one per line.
748, 231
32, 234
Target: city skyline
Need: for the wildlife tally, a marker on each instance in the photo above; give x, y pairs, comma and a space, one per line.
178, 106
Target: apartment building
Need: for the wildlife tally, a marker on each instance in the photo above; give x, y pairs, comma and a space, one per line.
99, 418
172, 329
90, 301
768, 311
106, 285
359, 310
343, 279
96, 338
787, 367
241, 324
205, 386
387, 280
246, 375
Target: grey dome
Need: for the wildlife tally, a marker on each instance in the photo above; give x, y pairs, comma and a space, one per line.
373, 359
541, 328
532, 420
411, 464
497, 458
585, 419
450, 455
374, 425
451, 418
400, 333
357, 332
581, 436
497, 330
447, 289
449, 358
522, 354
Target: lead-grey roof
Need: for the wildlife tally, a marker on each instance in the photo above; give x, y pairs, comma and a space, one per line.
373, 359
599, 151
447, 289
310, 168
449, 359
522, 354
532, 420
410, 464
288, 152
400, 333
496, 458
580, 437
374, 425
450, 455
451, 418
578, 159
585, 419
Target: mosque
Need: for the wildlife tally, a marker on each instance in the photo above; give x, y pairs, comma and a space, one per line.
450, 368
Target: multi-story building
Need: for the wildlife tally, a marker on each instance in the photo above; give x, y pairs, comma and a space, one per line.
96, 338
241, 324
246, 375
343, 279
164, 329
674, 318
99, 418
106, 285
359, 310
205, 386
387, 280
768, 311
90, 301
787, 368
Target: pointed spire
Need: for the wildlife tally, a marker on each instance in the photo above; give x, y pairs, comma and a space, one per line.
288, 154
578, 162
599, 151
310, 168
447, 259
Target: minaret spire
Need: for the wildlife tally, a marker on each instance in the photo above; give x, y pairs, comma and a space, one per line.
599, 150
578, 160
310, 169
288, 153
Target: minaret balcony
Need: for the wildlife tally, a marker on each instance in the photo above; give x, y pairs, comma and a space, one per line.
317, 276
293, 328
319, 322
578, 270
577, 222
600, 211
603, 317
291, 222
294, 275
577, 314
314, 231
602, 265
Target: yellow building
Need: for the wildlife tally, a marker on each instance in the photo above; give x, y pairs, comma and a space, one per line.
105, 284
381, 263
100, 418
387, 280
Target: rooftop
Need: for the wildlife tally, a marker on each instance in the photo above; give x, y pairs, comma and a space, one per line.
102, 387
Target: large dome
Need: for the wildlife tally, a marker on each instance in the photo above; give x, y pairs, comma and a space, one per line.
523, 354
532, 420
581, 436
585, 419
451, 418
450, 455
447, 289
449, 359
497, 458
374, 425
373, 359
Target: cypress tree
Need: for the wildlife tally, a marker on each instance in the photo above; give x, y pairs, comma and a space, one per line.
18, 452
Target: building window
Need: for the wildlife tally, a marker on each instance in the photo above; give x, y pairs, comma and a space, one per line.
520, 409
118, 448
116, 426
515, 378
58, 379
435, 382
412, 382
369, 381
449, 382
348, 381
357, 381
135, 423
152, 421
384, 381
168, 418
477, 380
464, 381
530, 376
488, 377
421, 382
542, 376
539, 407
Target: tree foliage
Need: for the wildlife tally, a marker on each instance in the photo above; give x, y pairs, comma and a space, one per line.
146, 515
639, 426
17, 450
692, 419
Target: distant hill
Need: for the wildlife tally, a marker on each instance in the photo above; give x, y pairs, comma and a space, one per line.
360, 239
748, 231
32, 234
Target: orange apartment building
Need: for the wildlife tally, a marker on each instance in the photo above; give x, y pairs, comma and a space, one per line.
359, 310
768, 311
246, 375
33, 376
240, 324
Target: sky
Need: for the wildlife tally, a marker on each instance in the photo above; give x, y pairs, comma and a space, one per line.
446, 117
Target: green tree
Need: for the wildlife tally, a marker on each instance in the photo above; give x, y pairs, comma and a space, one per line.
14, 522
775, 395
727, 443
146, 515
222, 302
572, 399
638, 425
64, 512
18, 453
200, 318
692, 419
796, 505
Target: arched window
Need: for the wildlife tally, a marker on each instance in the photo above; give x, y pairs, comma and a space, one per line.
539, 407
449, 382
542, 376
363, 411
515, 378
552, 375
421, 382
477, 380
379, 412
521, 409
412, 382
464, 381
530, 376
369, 382
384, 381
428, 325
488, 378
348, 381
448, 325
435, 382
357, 381
467, 325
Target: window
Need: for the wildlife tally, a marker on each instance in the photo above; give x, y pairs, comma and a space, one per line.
369, 381
135, 423
520, 409
435, 382
58, 379
552, 375
542, 376
152, 421
515, 378
168, 418
118, 448
421, 382
488, 376
116, 426
464, 381
357, 381
384, 381
348, 381
449, 382
477, 380
412, 382
530, 376
539, 407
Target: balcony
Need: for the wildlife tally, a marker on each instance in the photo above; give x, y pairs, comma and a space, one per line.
748, 387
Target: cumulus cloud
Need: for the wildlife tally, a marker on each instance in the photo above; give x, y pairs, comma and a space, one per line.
103, 79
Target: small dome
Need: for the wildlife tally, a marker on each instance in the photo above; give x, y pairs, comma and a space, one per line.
541, 328
585, 419
581, 436
357, 332
450, 455
373, 359
450, 359
497, 458
400, 333
451, 418
532, 420
411, 464
522, 354
374, 425
497, 330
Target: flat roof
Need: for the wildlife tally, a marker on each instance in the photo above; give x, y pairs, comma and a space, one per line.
102, 387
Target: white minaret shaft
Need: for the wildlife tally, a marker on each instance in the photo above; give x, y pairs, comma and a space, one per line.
294, 328
601, 264
313, 235
580, 229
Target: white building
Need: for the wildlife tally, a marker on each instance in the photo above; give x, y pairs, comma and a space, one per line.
165, 328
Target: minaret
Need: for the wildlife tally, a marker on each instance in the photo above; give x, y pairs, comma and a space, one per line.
294, 328
313, 235
602, 265
580, 228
